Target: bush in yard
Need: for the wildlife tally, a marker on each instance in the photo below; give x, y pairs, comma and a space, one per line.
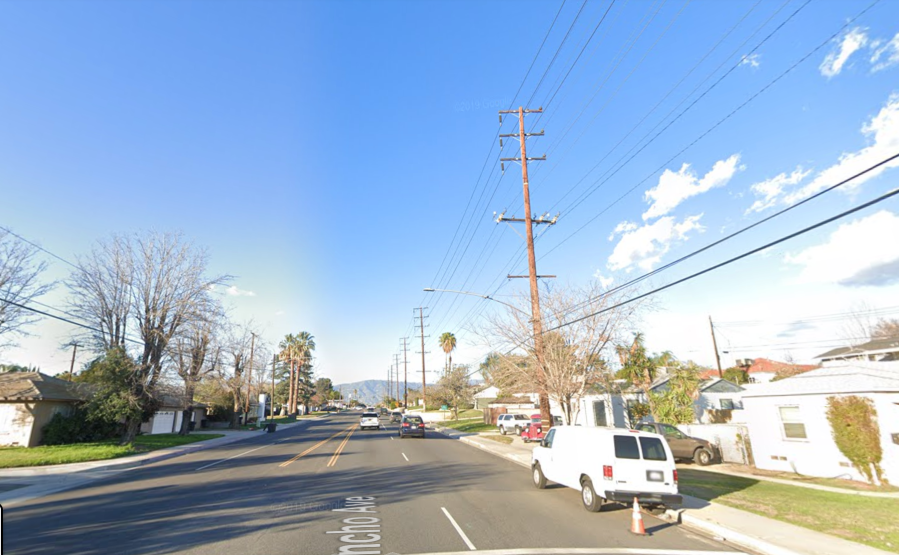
853, 421
674, 404
78, 428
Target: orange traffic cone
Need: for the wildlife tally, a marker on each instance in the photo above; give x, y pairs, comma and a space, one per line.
637, 521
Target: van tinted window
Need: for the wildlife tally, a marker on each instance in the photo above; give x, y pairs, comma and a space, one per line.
626, 447
653, 450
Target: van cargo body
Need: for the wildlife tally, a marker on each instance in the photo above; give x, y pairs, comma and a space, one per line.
608, 464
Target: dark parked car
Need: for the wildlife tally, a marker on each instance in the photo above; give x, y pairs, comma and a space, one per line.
683, 446
412, 425
383, 411
395, 416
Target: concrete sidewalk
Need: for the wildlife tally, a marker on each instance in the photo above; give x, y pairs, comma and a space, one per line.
743, 529
18, 485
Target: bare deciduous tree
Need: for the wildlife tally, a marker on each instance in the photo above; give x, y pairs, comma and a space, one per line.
101, 292
192, 354
151, 285
885, 328
19, 272
574, 354
233, 374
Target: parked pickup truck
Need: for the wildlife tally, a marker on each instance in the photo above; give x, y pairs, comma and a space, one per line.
683, 446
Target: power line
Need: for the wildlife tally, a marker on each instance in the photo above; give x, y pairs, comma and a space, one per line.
60, 318
703, 135
793, 235
35, 245
736, 233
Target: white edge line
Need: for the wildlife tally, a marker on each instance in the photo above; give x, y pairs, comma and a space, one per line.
234, 457
589, 551
405, 457
458, 529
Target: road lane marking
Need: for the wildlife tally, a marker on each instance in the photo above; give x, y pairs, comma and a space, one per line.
314, 447
405, 457
339, 450
458, 529
234, 457
590, 551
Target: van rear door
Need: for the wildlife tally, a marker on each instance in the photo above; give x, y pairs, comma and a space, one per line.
642, 464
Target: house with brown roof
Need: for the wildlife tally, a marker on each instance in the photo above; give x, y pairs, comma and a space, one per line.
763, 370
28, 400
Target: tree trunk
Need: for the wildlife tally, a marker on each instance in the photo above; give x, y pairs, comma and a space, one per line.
131, 429
290, 391
185, 420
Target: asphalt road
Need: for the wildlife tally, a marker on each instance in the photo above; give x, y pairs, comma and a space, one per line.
278, 494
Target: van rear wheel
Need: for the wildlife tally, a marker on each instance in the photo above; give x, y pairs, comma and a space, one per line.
539, 478
592, 502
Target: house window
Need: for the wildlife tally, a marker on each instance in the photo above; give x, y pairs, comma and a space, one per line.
792, 423
727, 404
599, 413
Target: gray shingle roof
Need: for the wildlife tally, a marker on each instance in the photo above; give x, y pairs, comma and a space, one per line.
846, 378
35, 386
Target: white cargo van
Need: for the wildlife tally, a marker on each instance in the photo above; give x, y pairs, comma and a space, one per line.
608, 464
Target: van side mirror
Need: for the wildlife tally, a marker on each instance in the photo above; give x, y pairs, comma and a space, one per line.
543, 442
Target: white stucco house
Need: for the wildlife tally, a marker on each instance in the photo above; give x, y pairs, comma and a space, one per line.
788, 425
485, 396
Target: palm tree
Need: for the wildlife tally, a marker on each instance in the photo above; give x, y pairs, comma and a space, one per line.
287, 354
448, 344
305, 345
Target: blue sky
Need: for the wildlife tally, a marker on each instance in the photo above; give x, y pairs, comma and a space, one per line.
325, 152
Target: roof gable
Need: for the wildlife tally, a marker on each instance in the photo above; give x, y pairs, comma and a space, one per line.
36, 386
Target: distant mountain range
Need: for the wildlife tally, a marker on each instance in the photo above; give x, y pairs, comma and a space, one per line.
371, 392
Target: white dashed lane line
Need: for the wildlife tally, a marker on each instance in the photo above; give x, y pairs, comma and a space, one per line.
458, 529
405, 457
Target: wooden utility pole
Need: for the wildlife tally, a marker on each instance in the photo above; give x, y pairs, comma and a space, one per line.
715, 346
72, 364
529, 221
396, 376
405, 376
421, 318
271, 401
246, 408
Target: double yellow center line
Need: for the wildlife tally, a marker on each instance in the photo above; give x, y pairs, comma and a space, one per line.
349, 431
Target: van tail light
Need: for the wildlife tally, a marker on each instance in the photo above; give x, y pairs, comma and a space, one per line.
675, 476
607, 472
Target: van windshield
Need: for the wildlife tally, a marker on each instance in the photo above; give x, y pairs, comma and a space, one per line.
652, 448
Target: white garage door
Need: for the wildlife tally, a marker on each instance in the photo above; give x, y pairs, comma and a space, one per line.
163, 421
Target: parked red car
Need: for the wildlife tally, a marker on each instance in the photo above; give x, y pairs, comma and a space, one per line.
534, 430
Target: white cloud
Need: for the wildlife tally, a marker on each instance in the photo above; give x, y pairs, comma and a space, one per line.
771, 189
889, 52
676, 187
235, 291
852, 41
856, 254
644, 246
621, 228
883, 129
751, 60
604, 281
279, 313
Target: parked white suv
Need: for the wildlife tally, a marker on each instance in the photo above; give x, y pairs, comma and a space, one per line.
370, 420
509, 423
608, 464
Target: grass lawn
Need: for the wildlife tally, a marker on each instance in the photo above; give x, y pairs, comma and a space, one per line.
470, 425
500, 439
11, 457
867, 520
832, 482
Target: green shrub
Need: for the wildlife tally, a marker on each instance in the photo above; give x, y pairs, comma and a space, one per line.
78, 428
853, 421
